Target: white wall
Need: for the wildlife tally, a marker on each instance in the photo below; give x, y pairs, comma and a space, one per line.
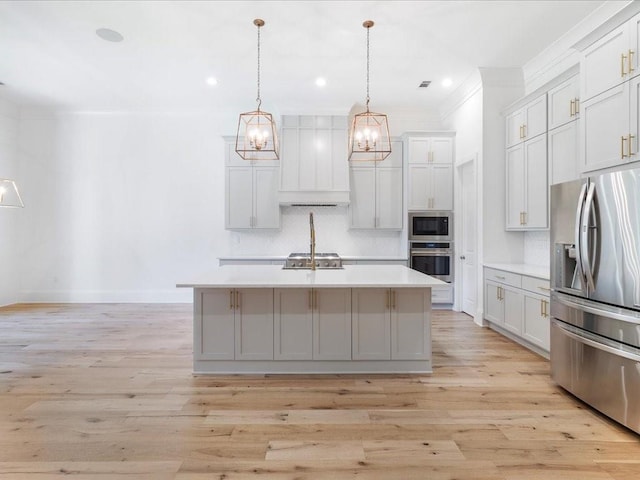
122, 206
9, 217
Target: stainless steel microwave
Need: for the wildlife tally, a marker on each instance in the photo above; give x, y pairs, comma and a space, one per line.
430, 226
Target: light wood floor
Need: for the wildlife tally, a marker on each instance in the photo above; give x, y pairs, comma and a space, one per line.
106, 391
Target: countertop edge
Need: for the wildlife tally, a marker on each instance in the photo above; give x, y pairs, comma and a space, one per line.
536, 271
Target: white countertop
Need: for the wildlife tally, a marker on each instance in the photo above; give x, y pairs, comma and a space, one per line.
523, 269
283, 258
274, 276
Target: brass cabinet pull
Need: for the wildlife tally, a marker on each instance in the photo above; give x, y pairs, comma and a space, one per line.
237, 300
630, 149
393, 299
622, 58
230, 299
500, 277
524, 218
622, 139
311, 299
545, 289
630, 61
524, 131
572, 108
577, 105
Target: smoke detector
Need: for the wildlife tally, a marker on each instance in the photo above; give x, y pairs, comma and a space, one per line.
424, 84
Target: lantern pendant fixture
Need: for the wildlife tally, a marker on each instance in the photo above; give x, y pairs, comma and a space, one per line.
369, 135
257, 137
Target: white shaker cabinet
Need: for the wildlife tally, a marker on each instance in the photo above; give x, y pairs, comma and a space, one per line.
430, 171
235, 324
536, 326
332, 311
564, 103
563, 153
251, 198
390, 324
376, 193
527, 122
527, 185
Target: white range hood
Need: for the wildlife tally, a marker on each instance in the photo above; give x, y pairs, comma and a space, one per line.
314, 167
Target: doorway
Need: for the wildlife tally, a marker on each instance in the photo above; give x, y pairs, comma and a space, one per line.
468, 236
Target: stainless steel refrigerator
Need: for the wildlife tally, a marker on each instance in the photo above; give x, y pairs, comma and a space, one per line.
595, 298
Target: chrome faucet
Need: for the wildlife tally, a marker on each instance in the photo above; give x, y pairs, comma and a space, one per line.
313, 242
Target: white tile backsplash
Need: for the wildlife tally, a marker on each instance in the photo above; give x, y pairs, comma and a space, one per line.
332, 235
536, 248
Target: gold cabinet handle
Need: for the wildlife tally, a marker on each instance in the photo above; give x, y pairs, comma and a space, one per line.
393, 299
524, 131
524, 218
500, 277
572, 108
630, 61
230, 299
630, 149
622, 59
622, 139
577, 105
311, 299
545, 289
237, 300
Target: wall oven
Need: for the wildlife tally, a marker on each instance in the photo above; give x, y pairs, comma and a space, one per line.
430, 226
433, 258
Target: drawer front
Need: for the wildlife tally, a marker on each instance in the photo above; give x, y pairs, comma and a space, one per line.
536, 285
442, 294
501, 276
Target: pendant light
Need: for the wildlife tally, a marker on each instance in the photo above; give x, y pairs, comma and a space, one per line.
9, 195
257, 138
369, 135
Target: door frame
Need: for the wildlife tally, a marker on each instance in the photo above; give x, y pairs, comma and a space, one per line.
458, 222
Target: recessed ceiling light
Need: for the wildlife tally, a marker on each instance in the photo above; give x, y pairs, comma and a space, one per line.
109, 35
213, 81
321, 82
447, 82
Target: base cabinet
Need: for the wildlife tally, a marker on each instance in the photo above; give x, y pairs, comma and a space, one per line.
314, 330
518, 305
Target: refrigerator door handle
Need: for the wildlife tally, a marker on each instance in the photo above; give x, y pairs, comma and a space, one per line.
586, 248
598, 345
578, 236
589, 306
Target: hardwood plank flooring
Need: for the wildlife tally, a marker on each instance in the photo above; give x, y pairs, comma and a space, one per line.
106, 392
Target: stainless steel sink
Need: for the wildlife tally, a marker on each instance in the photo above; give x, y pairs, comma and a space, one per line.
303, 260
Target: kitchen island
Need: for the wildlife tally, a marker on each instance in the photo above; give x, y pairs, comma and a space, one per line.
266, 319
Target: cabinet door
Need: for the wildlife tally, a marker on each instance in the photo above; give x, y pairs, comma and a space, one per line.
442, 150
254, 324
265, 198
419, 187
419, 150
535, 117
512, 310
494, 303
339, 156
602, 65
563, 153
536, 320
515, 187
332, 324
514, 122
239, 186
634, 119
293, 324
410, 324
604, 125
371, 324
442, 187
215, 311
362, 207
564, 103
537, 183
388, 199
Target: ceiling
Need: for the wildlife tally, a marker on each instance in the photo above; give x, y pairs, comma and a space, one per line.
51, 56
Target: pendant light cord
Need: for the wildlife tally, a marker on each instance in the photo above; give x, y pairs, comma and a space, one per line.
368, 28
258, 98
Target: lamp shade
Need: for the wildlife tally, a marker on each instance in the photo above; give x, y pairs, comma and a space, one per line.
369, 137
257, 137
9, 195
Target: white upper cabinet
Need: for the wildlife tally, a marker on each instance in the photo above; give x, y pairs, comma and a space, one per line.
564, 103
376, 192
314, 165
430, 172
611, 60
251, 188
527, 122
527, 185
563, 153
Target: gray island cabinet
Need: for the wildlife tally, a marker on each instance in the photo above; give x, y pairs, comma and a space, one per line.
359, 319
